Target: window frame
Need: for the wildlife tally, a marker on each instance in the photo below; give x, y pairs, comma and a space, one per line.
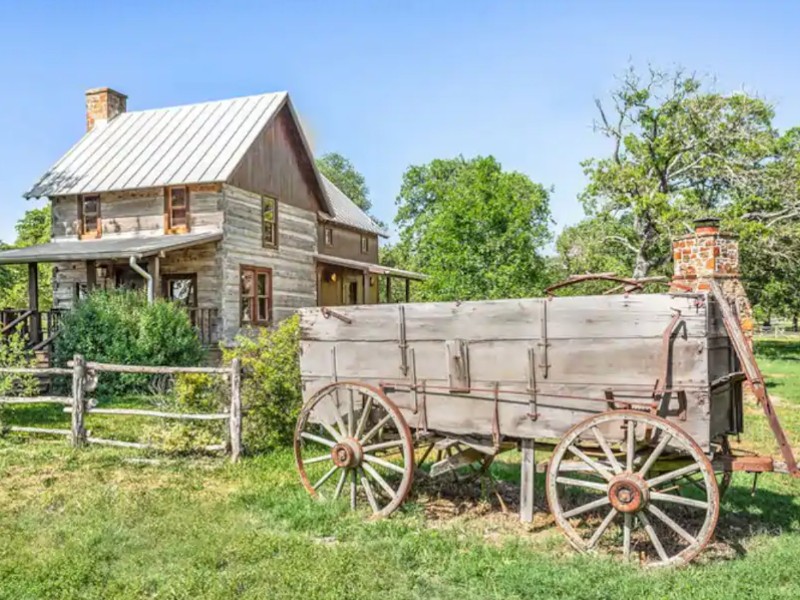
169, 227
364, 244
253, 298
274, 242
166, 279
98, 232
327, 236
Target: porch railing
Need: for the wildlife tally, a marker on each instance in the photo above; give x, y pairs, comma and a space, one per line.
206, 323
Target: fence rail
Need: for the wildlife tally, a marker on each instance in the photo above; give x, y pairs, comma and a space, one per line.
78, 407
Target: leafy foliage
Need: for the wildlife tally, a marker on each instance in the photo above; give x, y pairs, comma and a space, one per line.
34, 228
14, 354
122, 327
475, 229
271, 389
344, 175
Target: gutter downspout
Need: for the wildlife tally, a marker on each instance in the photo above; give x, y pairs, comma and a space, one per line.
148, 278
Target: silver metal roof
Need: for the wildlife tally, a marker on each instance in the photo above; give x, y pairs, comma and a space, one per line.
196, 143
346, 212
105, 248
370, 267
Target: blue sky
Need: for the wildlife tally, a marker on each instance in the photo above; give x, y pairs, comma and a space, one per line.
387, 84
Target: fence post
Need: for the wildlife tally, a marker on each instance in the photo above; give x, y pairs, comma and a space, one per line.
78, 405
236, 409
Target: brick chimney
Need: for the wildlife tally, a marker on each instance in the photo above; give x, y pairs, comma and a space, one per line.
102, 105
710, 254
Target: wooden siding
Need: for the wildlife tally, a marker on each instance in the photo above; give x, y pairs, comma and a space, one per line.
347, 243
139, 212
333, 293
205, 261
277, 165
292, 262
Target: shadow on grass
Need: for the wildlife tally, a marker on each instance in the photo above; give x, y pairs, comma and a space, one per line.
778, 349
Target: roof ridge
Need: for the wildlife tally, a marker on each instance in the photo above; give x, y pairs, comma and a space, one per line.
204, 102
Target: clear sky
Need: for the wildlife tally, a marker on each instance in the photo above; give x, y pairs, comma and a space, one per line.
386, 83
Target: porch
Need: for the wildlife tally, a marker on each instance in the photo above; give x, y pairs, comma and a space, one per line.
164, 266
342, 281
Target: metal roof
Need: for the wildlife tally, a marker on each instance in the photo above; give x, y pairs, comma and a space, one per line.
346, 212
105, 248
372, 268
196, 143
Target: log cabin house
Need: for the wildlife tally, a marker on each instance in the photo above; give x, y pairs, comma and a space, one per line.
218, 206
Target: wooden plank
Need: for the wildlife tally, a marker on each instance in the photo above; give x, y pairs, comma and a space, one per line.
35, 371
527, 479
154, 370
135, 412
36, 400
236, 410
44, 430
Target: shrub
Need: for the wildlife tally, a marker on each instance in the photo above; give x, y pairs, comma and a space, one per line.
120, 326
271, 388
14, 354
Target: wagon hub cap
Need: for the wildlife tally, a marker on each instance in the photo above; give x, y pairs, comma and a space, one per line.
346, 454
628, 493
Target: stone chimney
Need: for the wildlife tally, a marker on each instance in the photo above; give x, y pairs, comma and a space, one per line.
710, 254
102, 105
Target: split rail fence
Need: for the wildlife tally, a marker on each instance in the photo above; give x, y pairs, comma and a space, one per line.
83, 373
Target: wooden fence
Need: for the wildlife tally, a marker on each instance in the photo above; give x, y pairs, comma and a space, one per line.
83, 373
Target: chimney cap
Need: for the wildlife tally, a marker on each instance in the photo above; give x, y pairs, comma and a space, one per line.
101, 90
705, 224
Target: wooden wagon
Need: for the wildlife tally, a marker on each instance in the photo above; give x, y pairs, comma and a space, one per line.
635, 395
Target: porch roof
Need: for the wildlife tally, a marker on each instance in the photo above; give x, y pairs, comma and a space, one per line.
105, 248
372, 268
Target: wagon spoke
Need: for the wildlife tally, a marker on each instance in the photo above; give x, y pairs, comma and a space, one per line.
386, 464
666, 519
586, 507
383, 446
362, 422
655, 481
593, 485
679, 500
377, 477
648, 527
631, 444
665, 438
340, 485
368, 490
316, 459
325, 477
626, 536
601, 470
602, 528
371, 433
318, 439
337, 416
601, 440
331, 431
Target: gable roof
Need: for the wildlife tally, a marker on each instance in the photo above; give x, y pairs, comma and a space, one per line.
196, 143
346, 212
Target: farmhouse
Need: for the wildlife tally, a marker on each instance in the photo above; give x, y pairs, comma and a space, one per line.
218, 206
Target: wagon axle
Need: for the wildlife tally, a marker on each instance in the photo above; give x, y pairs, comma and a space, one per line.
628, 493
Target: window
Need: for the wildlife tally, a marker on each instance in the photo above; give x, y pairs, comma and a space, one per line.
256, 296
364, 244
89, 216
176, 213
181, 289
269, 221
329, 236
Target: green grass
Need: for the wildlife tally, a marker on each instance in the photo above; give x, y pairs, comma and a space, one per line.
93, 524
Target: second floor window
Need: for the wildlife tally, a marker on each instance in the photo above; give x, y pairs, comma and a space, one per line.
176, 215
329, 236
364, 244
269, 221
256, 296
89, 216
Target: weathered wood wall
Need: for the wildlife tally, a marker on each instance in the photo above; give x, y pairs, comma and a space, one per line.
206, 262
292, 262
139, 212
593, 344
335, 293
347, 243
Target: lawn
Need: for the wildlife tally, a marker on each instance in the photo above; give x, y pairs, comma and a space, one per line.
108, 523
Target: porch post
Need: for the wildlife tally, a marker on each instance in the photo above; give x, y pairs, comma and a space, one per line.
388, 289
33, 303
154, 268
366, 288
91, 275
408, 289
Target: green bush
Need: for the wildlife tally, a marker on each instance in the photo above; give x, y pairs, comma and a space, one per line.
13, 354
121, 327
271, 388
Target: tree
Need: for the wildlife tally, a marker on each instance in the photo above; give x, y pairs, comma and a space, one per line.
32, 229
477, 231
677, 152
344, 175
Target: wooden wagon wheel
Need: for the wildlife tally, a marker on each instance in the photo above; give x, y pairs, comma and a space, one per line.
350, 435
632, 497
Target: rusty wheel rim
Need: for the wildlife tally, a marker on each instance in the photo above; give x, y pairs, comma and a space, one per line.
352, 440
633, 484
